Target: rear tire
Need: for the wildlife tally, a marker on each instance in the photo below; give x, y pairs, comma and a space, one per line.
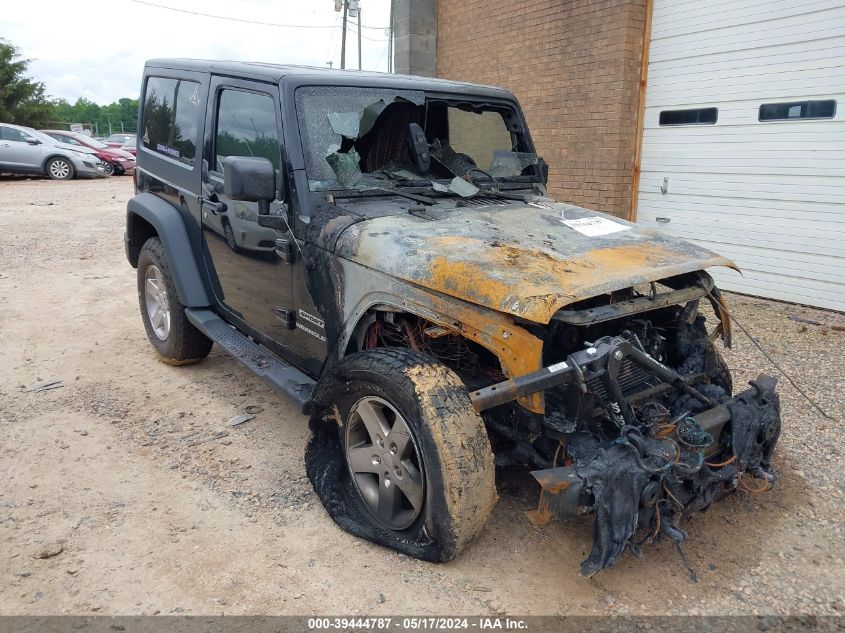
60, 169
170, 332
448, 448
108, 169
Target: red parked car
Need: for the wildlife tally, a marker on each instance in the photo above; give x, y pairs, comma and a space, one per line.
117, 161
126, 142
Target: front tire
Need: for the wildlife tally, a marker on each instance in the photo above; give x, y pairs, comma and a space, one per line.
108, 168
60, 169
230, 236
397, 454
170, 332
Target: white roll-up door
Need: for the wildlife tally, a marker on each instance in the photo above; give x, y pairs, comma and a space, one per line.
765, 188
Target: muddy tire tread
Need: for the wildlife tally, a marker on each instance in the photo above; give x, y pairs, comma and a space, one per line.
466, 477
471, 472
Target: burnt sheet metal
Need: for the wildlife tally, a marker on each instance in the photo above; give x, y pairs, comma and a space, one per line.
518, 351
521, 260
598, 314
640, 483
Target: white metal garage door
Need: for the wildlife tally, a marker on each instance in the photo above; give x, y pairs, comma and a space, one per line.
769, 194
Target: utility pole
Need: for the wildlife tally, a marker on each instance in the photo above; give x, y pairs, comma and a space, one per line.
390, 41
343, 39
359, 37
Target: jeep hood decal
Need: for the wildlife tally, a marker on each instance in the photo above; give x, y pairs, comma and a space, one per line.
528, 261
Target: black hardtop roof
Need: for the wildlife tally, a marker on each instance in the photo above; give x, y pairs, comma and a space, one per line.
304, 75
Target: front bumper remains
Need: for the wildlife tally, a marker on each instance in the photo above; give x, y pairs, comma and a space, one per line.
637, 483
641, 483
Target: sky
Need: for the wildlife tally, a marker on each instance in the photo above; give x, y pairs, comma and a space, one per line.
96, 49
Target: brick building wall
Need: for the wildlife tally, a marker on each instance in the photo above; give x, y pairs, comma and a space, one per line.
575, 67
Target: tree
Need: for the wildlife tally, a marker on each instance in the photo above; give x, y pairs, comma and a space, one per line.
22, 100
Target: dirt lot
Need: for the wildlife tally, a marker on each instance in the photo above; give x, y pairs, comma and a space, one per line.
113, 468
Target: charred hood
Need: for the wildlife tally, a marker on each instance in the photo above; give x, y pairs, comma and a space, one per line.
528, 260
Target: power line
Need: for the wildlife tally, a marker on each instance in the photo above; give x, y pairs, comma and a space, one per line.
352, 29
330, 48
246, 21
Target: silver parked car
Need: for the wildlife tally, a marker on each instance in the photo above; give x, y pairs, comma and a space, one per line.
24, 150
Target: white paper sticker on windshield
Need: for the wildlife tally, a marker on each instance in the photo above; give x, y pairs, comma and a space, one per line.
595, 226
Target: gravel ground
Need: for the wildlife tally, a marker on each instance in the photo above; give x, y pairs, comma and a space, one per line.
121, 494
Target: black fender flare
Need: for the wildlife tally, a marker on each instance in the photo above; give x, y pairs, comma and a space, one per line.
170, 229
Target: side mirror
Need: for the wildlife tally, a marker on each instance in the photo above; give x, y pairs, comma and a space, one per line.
277, 222
544, 170
250, 180
33, 141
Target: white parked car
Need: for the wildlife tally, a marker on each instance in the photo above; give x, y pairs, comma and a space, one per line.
24, 150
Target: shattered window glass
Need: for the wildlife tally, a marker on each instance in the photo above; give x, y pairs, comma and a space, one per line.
331, 118
345, 167
457, 185
511, 163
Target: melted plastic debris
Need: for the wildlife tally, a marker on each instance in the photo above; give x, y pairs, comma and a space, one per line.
511, 163
617, 482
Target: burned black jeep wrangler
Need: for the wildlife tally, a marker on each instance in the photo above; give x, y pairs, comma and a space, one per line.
382, 250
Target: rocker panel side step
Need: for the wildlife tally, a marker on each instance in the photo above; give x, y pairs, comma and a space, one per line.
283, 377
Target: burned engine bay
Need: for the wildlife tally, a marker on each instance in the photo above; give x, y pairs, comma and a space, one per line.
643, 431
641, 426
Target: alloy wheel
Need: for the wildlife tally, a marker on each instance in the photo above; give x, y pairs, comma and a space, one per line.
385, 463
59, 169
156, 302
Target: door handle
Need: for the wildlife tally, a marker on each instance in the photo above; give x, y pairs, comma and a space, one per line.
215, 206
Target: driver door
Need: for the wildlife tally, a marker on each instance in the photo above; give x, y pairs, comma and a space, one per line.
249, 264
16, 150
